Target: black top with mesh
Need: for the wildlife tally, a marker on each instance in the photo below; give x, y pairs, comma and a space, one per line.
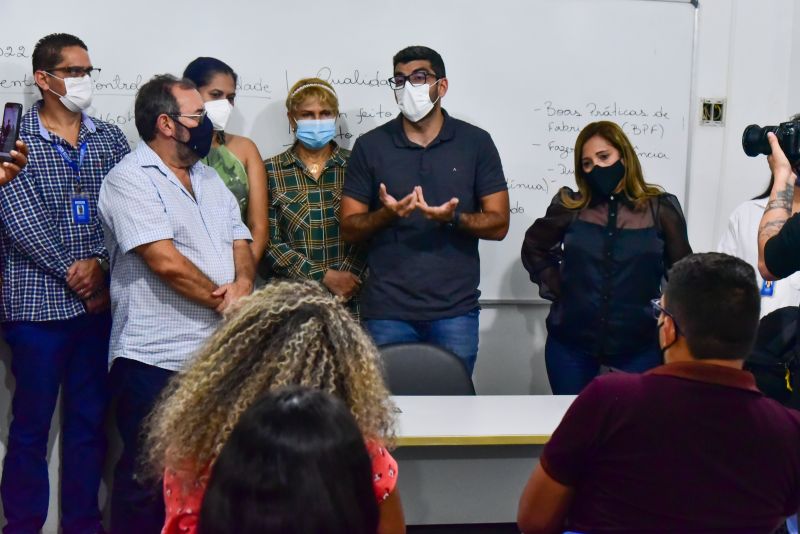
601, 266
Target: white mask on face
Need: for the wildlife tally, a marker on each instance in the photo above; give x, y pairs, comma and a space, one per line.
79, 93
219, 111
415, 102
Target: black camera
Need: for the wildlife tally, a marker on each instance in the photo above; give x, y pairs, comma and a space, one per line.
755, 142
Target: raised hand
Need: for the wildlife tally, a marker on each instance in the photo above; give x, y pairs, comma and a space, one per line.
19, 158
443, 213
402, 207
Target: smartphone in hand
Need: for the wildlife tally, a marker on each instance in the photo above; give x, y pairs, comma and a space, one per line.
9, 129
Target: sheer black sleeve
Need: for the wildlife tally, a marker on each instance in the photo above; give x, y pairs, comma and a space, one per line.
673, 227
782, 251
541, 250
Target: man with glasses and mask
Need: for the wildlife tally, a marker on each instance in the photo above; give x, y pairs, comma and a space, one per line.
691, 446
421, 190
180, 257
55, 298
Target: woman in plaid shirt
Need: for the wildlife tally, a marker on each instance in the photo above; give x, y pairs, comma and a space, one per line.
305, 192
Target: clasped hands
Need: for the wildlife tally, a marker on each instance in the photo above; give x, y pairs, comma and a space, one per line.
416, 200
87, 279
231, 294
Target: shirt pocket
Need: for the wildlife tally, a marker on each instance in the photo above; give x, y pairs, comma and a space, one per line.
293, 213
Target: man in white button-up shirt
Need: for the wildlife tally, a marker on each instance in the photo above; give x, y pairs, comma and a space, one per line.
179, 257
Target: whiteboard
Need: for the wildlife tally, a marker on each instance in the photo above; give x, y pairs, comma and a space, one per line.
531, 72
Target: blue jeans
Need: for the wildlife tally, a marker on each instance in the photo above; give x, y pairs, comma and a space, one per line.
569, 370
137, 505
458, 334
71, 354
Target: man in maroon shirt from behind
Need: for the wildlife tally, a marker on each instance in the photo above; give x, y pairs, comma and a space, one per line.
691, 446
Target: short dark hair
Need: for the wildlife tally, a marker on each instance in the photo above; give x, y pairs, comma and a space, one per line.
414, 53
202, 69
154, 98
47, 52
715, 302
296, 462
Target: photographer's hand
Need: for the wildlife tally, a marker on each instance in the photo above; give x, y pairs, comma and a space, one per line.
779, 207
779, 165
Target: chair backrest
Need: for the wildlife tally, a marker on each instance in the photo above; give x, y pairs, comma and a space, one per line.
424, 369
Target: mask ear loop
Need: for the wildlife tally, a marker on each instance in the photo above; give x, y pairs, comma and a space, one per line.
62, 79
438, 96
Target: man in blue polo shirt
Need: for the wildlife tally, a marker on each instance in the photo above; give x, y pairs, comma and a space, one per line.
55, 298
691, 446
421, 190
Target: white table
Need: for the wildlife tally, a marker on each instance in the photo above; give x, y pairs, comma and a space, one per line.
466, 459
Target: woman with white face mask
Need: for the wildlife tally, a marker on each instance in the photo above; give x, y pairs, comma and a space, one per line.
235, 158
305, 188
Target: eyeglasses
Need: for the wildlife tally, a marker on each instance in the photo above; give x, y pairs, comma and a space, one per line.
199, 117
77, 72
658, 309
416, 78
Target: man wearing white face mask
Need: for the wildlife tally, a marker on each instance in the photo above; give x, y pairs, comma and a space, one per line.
422, 190
55, 297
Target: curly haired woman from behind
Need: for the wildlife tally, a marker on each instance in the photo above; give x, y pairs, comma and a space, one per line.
281, 456
290, 333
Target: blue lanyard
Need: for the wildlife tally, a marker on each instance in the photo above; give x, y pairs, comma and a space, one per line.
75, 166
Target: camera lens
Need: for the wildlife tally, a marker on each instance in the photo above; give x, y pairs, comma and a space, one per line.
754, 140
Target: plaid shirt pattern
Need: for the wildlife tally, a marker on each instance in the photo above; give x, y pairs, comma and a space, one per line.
305, 239
38, 239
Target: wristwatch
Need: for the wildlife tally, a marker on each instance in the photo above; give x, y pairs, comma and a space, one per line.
453, 224
103, 264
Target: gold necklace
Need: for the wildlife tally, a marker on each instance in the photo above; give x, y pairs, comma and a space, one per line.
314, 167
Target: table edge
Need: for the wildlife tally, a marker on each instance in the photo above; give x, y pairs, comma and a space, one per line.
435, 441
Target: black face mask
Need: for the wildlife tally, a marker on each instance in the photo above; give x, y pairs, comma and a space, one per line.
604, 180
200, 137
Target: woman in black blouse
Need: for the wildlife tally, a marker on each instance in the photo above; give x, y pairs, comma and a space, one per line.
600, 255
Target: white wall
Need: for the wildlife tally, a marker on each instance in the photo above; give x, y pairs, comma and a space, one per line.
745, 52
744, 55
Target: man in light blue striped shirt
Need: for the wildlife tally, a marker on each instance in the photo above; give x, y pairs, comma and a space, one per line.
179, 257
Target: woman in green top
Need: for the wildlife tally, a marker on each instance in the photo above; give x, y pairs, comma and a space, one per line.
235, 158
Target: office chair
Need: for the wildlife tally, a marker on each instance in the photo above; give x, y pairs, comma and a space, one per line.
424, 369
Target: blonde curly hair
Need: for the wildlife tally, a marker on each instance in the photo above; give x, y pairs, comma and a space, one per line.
287, 333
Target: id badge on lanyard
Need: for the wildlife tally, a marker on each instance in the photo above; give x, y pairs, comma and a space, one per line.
767, 288
78, 202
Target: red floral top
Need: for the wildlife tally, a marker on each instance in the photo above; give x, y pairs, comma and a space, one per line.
183, 507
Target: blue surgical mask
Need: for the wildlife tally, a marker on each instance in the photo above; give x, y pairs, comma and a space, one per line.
315, 134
